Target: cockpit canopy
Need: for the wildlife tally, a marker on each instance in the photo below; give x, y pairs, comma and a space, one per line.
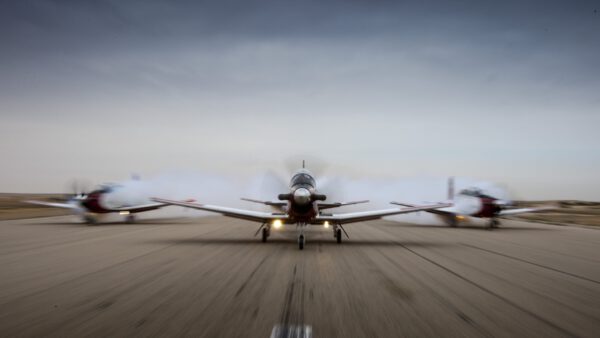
107, 188
303, 178
475, 192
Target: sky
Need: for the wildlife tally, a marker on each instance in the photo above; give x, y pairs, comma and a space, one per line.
501, 91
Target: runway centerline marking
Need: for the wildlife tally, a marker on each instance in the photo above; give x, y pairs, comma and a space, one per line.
291, 331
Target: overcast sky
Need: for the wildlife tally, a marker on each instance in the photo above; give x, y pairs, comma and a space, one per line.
506, 91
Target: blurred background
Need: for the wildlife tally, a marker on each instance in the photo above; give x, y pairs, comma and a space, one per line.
497, 92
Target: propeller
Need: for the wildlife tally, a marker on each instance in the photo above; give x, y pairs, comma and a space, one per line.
267, 186
272, 184
78, 190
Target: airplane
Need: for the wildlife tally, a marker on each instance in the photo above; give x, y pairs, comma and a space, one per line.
474, 203
301, 205
108, 198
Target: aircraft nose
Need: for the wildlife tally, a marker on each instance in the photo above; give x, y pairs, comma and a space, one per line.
302, 196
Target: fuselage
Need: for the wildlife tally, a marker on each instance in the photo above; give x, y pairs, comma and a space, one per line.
302, 197
111, 197
476, 204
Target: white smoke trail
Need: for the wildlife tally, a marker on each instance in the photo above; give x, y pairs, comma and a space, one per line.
226, 190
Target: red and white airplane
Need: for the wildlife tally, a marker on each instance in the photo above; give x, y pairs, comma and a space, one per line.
109, 198
474, 203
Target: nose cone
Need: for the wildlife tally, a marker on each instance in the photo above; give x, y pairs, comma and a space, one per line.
467, 205
302, 196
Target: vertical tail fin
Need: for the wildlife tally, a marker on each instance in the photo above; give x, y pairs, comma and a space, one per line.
450, 188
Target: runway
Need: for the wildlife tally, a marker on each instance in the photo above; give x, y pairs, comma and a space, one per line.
209, 277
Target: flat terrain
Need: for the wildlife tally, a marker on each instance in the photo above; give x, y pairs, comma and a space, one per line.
13, 207
209, 277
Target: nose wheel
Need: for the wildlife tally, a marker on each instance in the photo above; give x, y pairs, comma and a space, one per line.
301, 242
493, 223
130, 219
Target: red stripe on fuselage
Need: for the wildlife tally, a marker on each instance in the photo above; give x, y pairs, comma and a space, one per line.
488, 208
92, 203
302, 213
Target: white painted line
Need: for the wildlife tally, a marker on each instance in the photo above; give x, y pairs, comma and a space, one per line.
291, 331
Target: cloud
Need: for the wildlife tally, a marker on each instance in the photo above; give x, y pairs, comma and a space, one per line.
475, 88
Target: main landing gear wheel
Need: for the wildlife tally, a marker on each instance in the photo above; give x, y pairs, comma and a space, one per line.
130, 219
89, 220
265, 234
493, 223
301, 242
338, 235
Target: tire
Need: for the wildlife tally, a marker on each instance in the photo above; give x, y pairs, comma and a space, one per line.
338, 236
301, 242
265, 235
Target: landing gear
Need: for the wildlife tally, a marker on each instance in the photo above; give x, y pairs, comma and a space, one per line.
493, 223
453, 222
301, 242
266, 232
338, 235
91, 220
130, 219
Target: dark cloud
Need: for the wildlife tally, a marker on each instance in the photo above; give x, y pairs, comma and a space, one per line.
443, 83
87, 23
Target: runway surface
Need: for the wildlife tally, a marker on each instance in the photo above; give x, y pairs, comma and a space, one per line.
209, 277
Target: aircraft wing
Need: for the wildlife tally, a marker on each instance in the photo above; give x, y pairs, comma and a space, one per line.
339, 204
141, 208
353, 217
249, 215
278, 204
53, 204
508, 212
449, 210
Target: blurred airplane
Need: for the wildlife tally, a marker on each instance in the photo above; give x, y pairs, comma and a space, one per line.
474, 203
109, 198
302, 206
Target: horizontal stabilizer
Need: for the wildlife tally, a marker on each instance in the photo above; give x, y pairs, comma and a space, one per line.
323, 206
269, 203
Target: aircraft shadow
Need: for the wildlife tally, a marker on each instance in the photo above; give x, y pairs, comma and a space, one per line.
471, 227
309, 241
172, 222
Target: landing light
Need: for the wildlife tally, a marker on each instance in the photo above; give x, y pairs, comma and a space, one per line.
326, 224
277, 223
460, 218
123, 212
